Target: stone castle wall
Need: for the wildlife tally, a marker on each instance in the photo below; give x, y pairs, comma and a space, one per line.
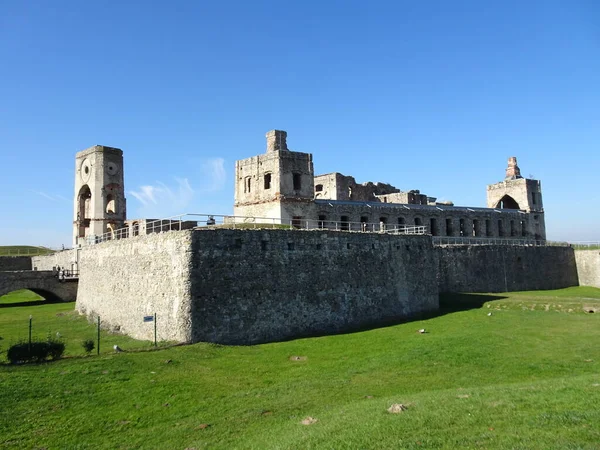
125, 280
10, 263
243, 287
588, 267
66, 259
267, 285
490, 268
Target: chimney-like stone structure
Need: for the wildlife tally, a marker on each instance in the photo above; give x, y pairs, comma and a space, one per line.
512, 171
276, 141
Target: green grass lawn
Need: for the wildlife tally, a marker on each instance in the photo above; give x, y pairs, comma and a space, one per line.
23, 250
525, 377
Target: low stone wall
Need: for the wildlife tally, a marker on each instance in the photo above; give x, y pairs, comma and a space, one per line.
125, 280
8, 263
66, 259
487, 268
588, 267
256, 286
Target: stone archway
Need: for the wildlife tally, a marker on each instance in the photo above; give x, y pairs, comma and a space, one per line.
507, 202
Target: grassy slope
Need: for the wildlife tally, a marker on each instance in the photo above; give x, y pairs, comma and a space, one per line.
23, 250
524, 377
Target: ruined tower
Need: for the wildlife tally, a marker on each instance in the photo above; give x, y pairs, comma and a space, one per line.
276, 184
522, 194
99, 205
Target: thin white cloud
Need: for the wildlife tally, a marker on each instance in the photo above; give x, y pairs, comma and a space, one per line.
214, 174
165, 199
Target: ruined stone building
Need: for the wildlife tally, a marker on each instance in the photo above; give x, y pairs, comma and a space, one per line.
281, 184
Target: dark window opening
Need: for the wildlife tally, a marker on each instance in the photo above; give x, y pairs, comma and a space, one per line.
449, 228
513, 230
363, 223
533, 199
348, 245
297, 221
238, 243
263, 245
319, 188
267, 181
290, 246
322, 219
345, 225
383, 223
461, 226
523, 228
488, 227
418, 222
433, 226
401, 223
476, 228
500, 228
297, 181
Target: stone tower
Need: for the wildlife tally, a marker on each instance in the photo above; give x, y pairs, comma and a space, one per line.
99, 205
277, 184
519, 193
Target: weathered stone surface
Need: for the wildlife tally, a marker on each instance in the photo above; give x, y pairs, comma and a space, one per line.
15, 263
66, 259
249, 286
267, 285
44, 283
497, 268
588, 267
125, 280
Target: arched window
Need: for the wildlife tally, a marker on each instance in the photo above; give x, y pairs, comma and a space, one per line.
111, 204
507, 202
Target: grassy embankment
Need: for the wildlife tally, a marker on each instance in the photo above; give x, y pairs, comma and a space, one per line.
23, 250
527, 377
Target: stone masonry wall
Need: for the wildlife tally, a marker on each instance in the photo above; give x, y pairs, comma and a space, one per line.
66, 259
588, 267
9, 263
125, 280
255, 286
489, 268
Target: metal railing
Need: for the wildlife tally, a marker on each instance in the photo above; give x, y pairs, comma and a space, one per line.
201, 221
461, 240
208, 221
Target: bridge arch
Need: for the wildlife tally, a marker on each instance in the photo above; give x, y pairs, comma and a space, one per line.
43, 283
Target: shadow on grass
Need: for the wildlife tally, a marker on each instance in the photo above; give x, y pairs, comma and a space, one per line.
32, 303
449, 303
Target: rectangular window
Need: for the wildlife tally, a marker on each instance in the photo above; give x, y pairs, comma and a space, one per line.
322, 219
267, 181
345, 223
533, 198
247, 184
449, 230
433, 227
297, 222
319, 188
297, 181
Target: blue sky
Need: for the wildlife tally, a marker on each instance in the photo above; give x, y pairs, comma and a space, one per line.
431, 95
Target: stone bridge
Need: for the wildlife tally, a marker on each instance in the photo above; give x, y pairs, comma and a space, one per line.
42, 282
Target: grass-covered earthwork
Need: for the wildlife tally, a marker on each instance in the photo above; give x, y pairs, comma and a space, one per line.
510, 371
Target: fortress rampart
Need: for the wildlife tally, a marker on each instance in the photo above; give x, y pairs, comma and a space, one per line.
250, 286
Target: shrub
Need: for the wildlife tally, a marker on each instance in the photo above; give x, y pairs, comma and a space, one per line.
88, 345
37, 352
